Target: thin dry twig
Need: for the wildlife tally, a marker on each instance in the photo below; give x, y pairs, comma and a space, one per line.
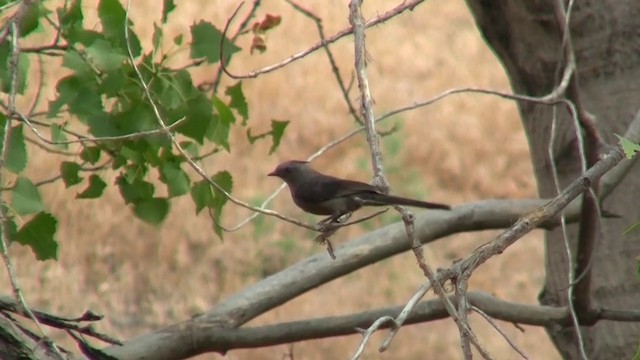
366, 334
241, 28
588, 202
404, 314
10, 305
332, 62
404, 6
4, 231
328, 229
495, 326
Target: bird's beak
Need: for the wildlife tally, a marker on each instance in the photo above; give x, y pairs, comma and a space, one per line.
273, 173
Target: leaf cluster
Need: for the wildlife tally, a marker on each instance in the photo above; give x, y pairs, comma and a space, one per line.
102, 118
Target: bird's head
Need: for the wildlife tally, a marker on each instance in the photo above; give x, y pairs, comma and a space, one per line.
291, 170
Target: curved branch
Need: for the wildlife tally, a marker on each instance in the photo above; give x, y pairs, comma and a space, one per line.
202, 336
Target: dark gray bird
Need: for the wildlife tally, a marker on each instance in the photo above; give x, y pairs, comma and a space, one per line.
322, 194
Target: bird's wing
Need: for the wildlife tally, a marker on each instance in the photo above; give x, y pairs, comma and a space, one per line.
346, 188
327, 188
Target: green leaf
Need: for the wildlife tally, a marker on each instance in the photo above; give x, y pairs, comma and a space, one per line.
218, 131
94, 190
152, 211
31, 19
81, 97
224, 180
104, 56
6, 73
112, 16
190, 148
25, 197
174, 89
633, 228
630, 148
238, 101
198, 119
71, 59
176, 179
178, 39
156, 39
58, 136
134, 171
135, 191
72, 19
277, 130
69, 171
38, 233
202, 195
167, 7
16, 159
90, 154
205, 43
112, 83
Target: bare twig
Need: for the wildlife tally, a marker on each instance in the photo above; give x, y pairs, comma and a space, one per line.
334, 66
8, 304
588, 206
495, 326
241, 28
4, 228
404, 6
328, 229
366, 334
404, 314
366, 103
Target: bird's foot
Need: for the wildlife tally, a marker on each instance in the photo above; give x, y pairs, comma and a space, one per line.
333, 220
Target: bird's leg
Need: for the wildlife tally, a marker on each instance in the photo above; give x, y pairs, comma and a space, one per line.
328, 227
339, 218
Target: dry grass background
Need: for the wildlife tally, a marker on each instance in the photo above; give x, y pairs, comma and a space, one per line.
465, 148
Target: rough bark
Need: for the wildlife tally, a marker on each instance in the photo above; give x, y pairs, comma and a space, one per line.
527, 39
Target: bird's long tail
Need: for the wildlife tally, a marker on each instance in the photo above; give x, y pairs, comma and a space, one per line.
378, 199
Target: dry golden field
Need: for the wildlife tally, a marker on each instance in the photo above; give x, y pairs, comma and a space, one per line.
464, 148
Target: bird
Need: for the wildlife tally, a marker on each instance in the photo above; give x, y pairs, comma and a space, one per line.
320, 194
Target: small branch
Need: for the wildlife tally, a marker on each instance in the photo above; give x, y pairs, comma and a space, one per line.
8, 304
589, 209
540, 215
366, 103
332, 62
366, 334
206, 336
404, 6
5, 237
495, 326
404, 314
328, 229
82, 139
241, 28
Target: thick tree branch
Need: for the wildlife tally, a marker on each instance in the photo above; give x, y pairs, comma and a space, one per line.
206, 337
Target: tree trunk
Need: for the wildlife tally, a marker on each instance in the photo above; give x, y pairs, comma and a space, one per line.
527, 39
